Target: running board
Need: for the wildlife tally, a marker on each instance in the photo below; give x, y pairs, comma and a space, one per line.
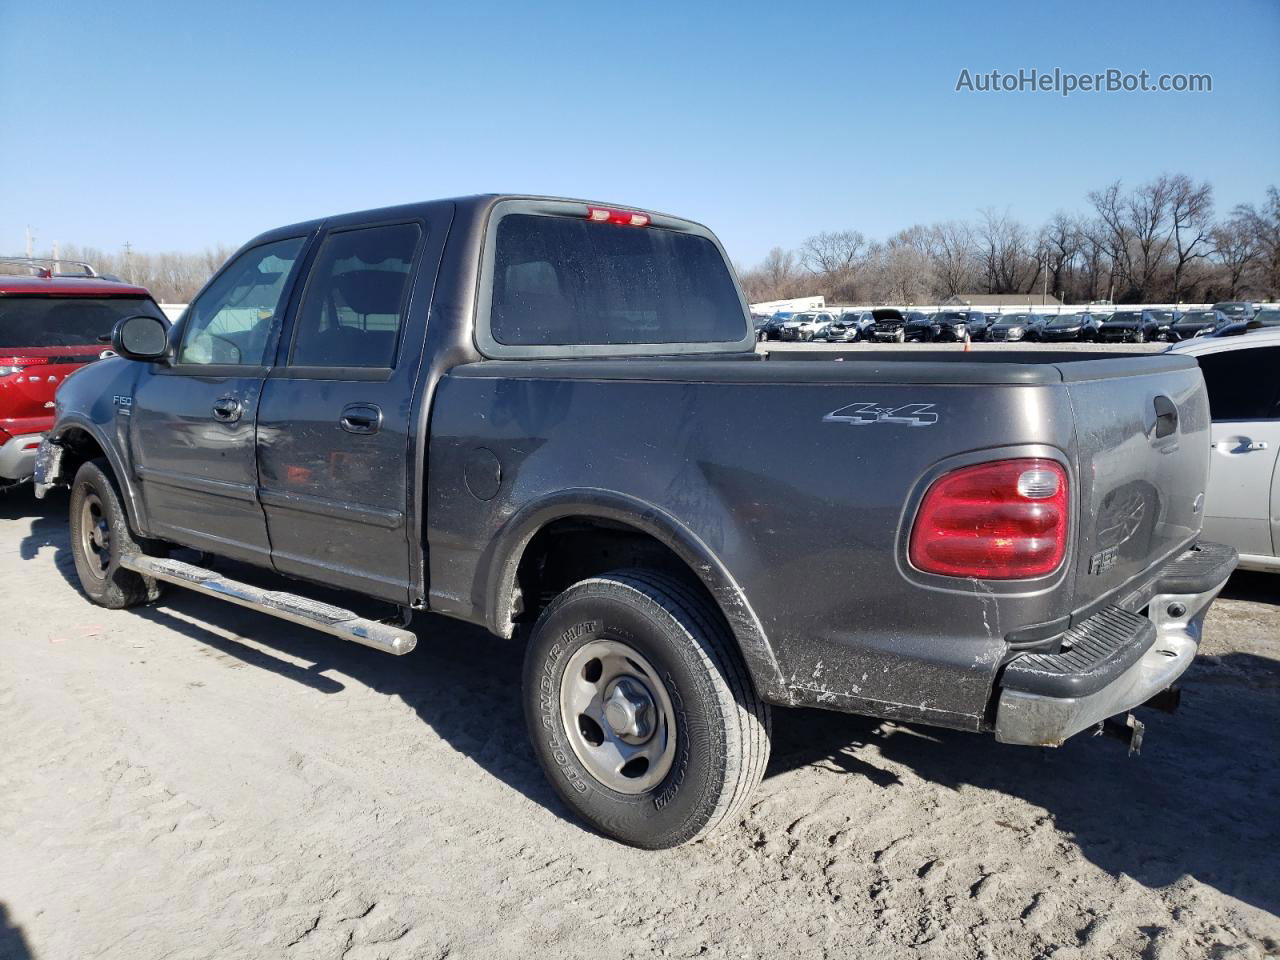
287, 606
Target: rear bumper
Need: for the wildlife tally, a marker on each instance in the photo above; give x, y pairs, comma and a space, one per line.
18, 457
1116, 659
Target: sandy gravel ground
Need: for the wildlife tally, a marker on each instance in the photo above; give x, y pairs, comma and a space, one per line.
194, 780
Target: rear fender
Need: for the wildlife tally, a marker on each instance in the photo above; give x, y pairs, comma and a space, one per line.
508, 547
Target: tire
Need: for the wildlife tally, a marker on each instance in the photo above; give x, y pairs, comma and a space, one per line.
900, 336
1139, 336
100, 536
714, 728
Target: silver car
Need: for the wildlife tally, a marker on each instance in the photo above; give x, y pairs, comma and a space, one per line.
1242, 503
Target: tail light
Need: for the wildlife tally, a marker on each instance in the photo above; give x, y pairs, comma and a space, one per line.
628, 218
1005, 520
10, 365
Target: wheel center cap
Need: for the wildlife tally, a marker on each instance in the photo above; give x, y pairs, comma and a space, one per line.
629, 709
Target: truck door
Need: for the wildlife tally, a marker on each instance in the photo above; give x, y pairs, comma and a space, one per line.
192, 422
1244, 402
335, 425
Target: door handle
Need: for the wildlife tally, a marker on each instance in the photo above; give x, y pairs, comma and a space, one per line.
227, 409
364, 418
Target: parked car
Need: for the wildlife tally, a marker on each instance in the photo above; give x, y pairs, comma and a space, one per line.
1166, 320
951, 326
1196, 323
918, 326
1068, 327
1268, 317
760, 322
1014, 326
681, 531
1242, 501
805, 326
1238, 310
773, 329
849, 327
1129, 326
50, 325
890, 326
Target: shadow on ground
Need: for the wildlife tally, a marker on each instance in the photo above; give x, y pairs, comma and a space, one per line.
13, 945
1200, 800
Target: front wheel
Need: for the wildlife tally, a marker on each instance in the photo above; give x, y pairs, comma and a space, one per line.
641, 711
1139, 336
100, 536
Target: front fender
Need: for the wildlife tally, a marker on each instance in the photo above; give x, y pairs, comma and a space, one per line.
507, 548
94, 400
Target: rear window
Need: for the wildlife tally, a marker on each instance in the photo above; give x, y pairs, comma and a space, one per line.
559, 281
46, 321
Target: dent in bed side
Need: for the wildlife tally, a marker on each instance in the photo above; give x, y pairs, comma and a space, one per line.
502, 561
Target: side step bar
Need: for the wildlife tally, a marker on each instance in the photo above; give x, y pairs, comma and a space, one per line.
287, 606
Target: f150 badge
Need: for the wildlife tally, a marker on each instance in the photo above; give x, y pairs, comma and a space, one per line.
861, 414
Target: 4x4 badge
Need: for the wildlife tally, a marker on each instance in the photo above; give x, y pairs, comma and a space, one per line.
861, 414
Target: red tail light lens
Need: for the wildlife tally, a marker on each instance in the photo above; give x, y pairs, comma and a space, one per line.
997, 521
628, 218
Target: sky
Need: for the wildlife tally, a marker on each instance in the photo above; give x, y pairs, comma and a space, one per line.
180, 129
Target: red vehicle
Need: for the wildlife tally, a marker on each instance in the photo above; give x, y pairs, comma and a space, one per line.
50, 325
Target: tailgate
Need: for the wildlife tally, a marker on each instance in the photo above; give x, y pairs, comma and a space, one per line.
1142, 427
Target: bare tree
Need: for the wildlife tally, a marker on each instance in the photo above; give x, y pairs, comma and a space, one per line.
1148, 211
1191, 213
953, 259
1236, 249
828, 254
1109, 205
1264, 228
1061, 239
1009, 259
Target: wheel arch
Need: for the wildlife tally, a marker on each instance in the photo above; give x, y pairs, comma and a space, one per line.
526, 534
82, 441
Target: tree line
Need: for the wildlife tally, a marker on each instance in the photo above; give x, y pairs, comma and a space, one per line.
1158, 242
171, 277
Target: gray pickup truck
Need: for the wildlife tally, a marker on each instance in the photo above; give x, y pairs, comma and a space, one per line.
548, 417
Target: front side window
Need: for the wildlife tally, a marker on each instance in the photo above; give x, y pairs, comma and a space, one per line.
561, 281
1242, 383
355, 298
234, 320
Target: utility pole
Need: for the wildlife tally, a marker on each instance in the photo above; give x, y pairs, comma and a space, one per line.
128, 260
30, 240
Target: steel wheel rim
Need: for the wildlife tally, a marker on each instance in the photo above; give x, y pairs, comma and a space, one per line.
618, 716
95, 536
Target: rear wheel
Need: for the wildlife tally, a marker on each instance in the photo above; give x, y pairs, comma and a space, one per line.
100, 536
641, 711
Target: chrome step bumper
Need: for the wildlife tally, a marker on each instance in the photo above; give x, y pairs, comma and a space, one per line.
1118, 660
286, 606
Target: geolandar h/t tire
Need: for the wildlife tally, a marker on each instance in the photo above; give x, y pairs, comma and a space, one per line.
100, 536
641, 711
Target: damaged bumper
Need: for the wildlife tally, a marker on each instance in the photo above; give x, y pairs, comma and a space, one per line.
1115, 659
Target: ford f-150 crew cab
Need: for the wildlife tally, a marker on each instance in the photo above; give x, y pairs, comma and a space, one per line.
548, 417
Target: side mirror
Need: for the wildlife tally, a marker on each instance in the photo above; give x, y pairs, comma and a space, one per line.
141, 338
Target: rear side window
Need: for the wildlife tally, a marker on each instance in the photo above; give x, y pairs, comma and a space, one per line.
560, 281
66, 321
354, 304
1243, 384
